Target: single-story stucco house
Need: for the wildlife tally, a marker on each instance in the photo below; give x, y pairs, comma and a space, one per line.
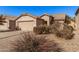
25, 22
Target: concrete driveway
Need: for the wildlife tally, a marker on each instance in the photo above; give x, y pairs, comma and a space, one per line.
6, 38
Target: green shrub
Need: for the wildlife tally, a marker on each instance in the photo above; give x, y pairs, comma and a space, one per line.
32, 43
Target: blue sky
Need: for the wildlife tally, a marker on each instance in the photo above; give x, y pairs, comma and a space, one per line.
37, 10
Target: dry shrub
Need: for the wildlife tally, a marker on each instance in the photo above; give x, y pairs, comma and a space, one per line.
55, 27
60, 30
41, 29
66, 33
32, 43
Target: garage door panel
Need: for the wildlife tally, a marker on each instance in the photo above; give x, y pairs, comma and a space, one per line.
26, 26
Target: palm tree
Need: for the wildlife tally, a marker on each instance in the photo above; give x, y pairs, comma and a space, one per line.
2, 20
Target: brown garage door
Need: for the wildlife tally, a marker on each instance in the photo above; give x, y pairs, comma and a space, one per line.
26, 26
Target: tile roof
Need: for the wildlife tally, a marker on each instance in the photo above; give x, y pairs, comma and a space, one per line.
10, 17
26, 15
59, 16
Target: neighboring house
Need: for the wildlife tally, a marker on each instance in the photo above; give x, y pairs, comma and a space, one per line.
62, 18
26, 22
77, 18
9, 22
5, 25
48, 18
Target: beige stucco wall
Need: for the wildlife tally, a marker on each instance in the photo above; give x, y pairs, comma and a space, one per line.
46, 18
26, 23
5, 25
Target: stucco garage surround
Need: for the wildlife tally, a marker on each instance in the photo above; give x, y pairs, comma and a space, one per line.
46, 18
26, 23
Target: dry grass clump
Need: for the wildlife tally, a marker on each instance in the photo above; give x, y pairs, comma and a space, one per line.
66, 33
32, 43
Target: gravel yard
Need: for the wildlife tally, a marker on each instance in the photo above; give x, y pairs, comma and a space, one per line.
6, 38
71, 45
